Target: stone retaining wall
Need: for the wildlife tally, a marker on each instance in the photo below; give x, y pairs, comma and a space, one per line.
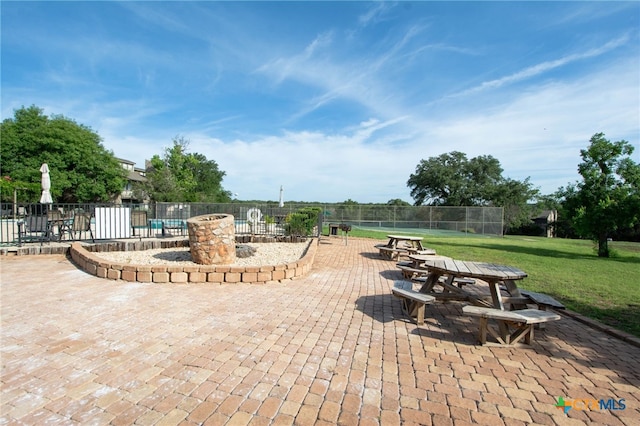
84, 256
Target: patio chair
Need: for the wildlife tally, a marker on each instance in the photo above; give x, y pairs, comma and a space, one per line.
82, 223
54, 215
33, 228
139, 221
60, 223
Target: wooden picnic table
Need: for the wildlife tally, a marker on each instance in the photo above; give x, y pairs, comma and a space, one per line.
415, 269
414, 266
453, 275
405, 241
494, 275
401, 245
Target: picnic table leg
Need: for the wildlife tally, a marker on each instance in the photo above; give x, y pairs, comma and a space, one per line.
431, 281
485, 329
513, 290
419, 313
446, 288
484, 323
529, 337
414, 310
496, 298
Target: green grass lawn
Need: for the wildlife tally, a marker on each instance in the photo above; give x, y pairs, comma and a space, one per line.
607, 290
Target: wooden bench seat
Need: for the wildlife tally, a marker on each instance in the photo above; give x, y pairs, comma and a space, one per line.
408, 271
523, 320
460, 282
424, 252
391, 253
543, 301
413, 302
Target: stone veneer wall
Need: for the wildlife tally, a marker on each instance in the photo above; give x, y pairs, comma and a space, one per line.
212, 239
86, 259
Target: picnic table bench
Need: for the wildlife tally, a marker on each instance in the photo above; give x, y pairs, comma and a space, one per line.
408, 271
543, 301
391, 253
423, 252
522, 320
413, 302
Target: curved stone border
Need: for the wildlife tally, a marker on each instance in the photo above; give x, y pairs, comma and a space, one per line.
84, 257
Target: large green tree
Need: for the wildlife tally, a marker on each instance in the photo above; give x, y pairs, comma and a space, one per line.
452, 179
181, 176
515, 197
81, 169
608, 197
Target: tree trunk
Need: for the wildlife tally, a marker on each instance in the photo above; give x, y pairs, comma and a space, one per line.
603, 246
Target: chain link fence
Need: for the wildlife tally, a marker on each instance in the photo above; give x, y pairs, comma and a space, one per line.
428, 219
257, 218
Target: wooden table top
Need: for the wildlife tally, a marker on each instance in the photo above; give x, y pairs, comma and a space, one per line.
424, 257
404, 238
481, 270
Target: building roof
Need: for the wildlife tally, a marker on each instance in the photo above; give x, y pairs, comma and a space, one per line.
135, 176
122, 160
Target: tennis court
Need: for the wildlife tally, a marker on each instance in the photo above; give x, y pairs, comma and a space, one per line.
422, 231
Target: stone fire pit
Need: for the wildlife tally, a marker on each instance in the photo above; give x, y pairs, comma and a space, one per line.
212, 239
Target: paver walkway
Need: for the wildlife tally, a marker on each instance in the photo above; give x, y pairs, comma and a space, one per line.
330, 348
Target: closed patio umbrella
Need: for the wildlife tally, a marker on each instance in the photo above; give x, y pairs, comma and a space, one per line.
281, 203
45, 198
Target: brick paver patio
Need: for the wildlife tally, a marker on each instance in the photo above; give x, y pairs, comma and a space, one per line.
330, 348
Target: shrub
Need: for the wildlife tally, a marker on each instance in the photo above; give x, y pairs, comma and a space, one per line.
302, 222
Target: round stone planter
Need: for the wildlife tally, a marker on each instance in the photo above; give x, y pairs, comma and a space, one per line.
212, 239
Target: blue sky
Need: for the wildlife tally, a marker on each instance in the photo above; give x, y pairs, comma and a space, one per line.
333, 100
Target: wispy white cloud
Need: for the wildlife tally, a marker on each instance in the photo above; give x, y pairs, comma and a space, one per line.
359, 79
392, 54
298, 66
375, 13
157, 17
543, 67
585, 12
